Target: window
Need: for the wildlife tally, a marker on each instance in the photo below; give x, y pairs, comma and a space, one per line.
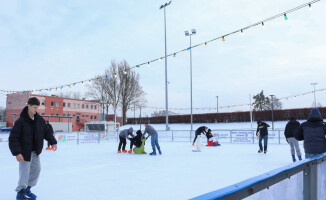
91, 106
95, 107
64, 104
74, 106
83, 105
52, 103
87, 106
91, 116
57, 104
78, 105
83, 115
68, 115
86, 116
94, 117
57, 114
43, 103
68, 105
52, 114
74, 115
64, 114
42, 113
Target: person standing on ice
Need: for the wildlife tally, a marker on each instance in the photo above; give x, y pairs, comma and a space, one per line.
154, 138
262, 133
290, 128
198, 132
26, 143
123, 140
313, 134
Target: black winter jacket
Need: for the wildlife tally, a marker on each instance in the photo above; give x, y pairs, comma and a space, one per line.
290, 128
312, 132
137, 139
262, 129
28, 135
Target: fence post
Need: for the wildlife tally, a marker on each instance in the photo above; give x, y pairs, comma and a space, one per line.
98, 137
190, 136
230, 136
253, 137
279, 136
78, 138
172, 136
310, 182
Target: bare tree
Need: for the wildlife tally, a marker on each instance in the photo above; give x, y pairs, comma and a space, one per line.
70, 94
2, 114
130, 90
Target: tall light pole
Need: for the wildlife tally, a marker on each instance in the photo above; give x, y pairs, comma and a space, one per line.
166, 71
217, 104
272, 96
314, 84
193, 32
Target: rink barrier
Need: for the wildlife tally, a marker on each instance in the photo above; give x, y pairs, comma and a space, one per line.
313, 181
224, 136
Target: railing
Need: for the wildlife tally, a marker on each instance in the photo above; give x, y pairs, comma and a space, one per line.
302, 180
224, 136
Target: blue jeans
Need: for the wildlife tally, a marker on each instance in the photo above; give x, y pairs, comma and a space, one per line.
154, 141
265, 142
308, 155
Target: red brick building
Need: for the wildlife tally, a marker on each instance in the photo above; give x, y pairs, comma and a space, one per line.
82, 111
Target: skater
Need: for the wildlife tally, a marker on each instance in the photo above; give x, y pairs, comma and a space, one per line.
26, 143
262, 133
154, 138
198, 143
139, 142
51, 130
209, 135
214, 140
198, 132
123, 140
313, 134
290, 128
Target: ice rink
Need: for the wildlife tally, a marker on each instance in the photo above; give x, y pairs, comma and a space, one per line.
96, 171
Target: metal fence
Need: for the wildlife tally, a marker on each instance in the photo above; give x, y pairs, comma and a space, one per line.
224, 136
302, 180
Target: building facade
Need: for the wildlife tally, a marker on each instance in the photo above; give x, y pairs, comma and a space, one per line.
81, 111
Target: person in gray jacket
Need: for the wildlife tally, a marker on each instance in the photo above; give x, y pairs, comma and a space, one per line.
123, 140
154, 138
313, 134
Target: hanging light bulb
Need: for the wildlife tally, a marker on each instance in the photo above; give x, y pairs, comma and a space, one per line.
310, 8
174, 55
125, 72
205, 44
223, 39
159, 59
188, 48
115, 75
262, 25
285, 17
148, 64
138, 66
242, 33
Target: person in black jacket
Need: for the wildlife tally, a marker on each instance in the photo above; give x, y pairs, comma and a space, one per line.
136, 141
290, 128
198, 132
26, 143
262, 133
51, 131
313, 134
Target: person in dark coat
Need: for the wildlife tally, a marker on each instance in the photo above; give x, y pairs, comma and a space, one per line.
51, 130
26, 143
262, 133
313, 134
136, 141
198, 132
290, 128
123, 140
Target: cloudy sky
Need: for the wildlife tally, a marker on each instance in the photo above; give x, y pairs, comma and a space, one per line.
50, 43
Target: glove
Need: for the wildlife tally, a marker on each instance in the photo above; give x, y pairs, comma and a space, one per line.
193, 144
287, 140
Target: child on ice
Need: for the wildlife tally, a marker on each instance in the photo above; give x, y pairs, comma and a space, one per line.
214, 140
